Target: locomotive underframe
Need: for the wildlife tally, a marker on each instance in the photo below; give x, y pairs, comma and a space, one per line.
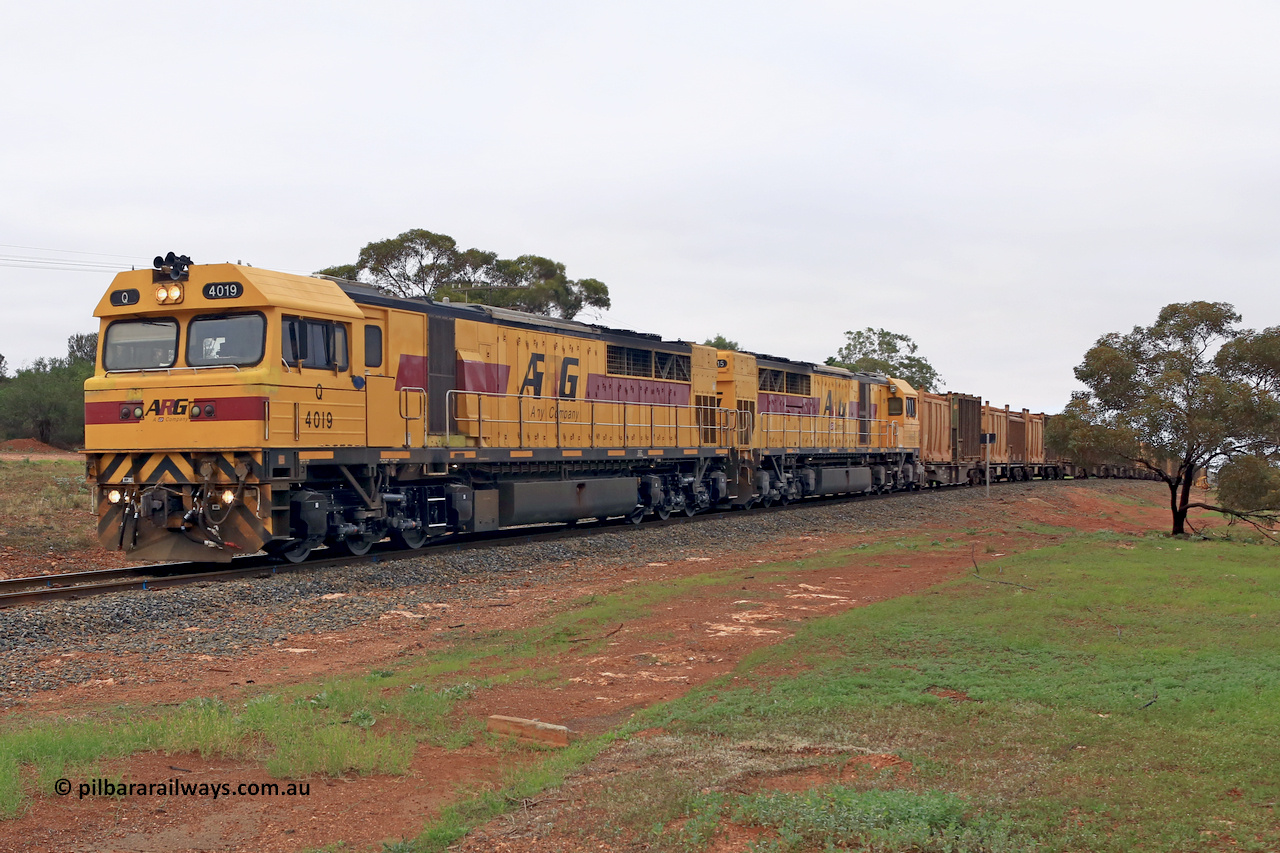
289, 501
172, 506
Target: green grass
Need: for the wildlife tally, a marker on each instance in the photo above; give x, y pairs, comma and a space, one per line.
1046, 529
879, 819
358, 725
45, 506
1131, 697
1125, 694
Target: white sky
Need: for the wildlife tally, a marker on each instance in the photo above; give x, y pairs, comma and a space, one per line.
1004, 182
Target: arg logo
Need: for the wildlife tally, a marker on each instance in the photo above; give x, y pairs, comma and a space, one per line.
160, 408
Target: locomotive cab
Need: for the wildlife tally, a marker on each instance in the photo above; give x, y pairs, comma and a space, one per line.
204, 372
903, 413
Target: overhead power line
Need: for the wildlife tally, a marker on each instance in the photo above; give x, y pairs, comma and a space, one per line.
83, 265
132, 258
21, 262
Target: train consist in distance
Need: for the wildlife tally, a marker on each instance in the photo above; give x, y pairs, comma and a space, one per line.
235, 409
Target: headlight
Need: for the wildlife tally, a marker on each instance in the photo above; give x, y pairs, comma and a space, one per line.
228, 497
162, 293
113, 496
175, 293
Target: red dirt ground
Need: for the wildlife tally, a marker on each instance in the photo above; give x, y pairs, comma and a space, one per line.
678, 645
30, 445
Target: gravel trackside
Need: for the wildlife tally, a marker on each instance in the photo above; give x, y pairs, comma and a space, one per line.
234, 617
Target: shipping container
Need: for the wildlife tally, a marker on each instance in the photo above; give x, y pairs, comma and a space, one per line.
1035, 439
1017, 437
996, 422
936, 444
966, 426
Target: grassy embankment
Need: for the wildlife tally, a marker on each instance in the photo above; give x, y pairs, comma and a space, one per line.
1126, 694
360, 724
1110, 692
45, 506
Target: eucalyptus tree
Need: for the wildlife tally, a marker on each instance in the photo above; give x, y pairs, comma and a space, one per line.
421, 263
1189, 393
881, 351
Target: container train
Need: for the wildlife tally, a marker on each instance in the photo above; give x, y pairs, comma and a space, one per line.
235, 409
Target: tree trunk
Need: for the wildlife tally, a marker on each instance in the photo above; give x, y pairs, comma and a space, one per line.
1178, 506
1180, 514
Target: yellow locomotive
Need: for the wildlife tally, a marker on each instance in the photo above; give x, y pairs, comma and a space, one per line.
235, 409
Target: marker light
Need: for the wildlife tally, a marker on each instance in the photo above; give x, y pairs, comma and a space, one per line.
195, 411
125, 411
114, 496
162, 293
228, 497
137, 411
175, 293
208, 410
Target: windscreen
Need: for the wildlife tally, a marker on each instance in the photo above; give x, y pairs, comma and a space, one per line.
228, 339
140, 345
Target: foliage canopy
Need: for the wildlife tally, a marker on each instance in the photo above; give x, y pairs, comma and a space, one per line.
721, 342
881, 351
45, 400
1188, 393
421, 263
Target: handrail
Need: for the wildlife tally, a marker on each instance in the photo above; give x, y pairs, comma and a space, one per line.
170, 370
403, 401
646, 430
780, 428
656, 425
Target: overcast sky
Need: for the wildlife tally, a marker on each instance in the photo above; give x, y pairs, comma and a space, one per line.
1004, 182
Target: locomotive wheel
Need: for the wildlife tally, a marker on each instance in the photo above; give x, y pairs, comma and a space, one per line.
662, 512
356, 546
295, 550
412, 539
690, 510
636, 516
766, 502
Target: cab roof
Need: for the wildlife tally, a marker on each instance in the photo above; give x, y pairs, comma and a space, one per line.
133, 293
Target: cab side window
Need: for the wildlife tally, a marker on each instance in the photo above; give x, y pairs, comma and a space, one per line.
911, 407
895, 406
340, 348
373, 346
314, 343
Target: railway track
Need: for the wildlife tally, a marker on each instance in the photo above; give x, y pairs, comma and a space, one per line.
73, 585
39, 589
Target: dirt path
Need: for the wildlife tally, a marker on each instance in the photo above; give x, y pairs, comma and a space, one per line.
52, 456
675, 646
